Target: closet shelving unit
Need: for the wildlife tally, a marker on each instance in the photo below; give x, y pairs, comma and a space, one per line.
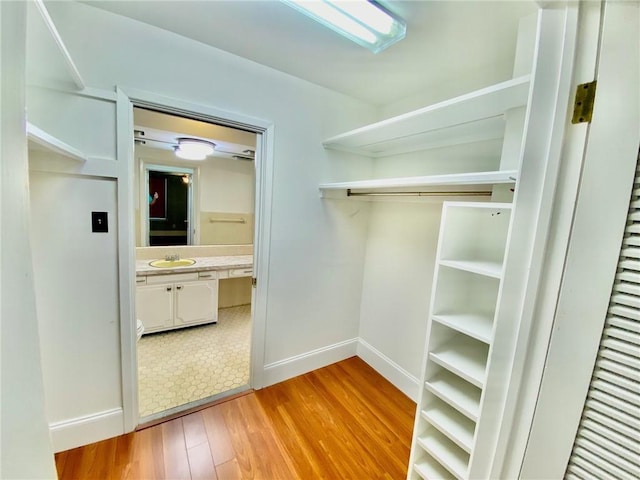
470, 261
465, 298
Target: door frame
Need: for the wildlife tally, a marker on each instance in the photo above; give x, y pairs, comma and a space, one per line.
127, 98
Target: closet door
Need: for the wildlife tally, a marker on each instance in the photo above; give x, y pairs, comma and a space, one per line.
607, 444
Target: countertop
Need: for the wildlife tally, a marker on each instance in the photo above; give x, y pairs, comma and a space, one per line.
203, 264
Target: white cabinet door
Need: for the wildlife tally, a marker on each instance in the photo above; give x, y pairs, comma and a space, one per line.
154, 306
196, 302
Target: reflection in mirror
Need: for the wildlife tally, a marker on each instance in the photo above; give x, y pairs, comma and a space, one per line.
169, 194
199, 202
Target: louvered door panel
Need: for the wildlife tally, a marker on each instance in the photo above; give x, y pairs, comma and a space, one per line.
607, 444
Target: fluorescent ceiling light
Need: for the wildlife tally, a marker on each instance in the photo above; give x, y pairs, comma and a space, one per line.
193, 148
365, 22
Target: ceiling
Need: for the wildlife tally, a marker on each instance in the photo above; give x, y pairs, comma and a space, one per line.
444, 39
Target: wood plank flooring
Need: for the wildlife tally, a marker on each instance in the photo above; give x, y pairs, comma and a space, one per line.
344, 421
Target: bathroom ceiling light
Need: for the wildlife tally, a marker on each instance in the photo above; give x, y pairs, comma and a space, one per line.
365, 22
193, 148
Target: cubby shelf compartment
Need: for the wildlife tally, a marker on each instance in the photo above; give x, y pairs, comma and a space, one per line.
448, 454
429, 469
457, 392
465, 357
49, 142
476, 181
458, 428
474, 325
467, 118
488, 269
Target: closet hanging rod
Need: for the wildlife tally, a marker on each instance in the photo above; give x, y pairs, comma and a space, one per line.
483, 193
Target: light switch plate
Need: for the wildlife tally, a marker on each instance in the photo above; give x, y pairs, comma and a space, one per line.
99, 222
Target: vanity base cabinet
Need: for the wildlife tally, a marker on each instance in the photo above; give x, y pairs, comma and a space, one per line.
196, 302
154, 306
168, 302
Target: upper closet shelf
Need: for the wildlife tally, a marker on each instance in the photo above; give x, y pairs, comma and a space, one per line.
42, 138
474, 180
472, 117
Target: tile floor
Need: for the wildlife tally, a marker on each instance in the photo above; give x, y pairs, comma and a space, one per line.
189, 364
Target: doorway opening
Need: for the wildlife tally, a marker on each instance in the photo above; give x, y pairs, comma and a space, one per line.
194, 319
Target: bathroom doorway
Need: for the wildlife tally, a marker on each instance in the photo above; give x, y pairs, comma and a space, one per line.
195, 336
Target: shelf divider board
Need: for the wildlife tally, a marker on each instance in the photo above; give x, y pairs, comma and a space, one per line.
458, 428
474, 325
457, 392
449, 455
489, 269
50, 142
464, 357
482, 104
470, 179
429, 469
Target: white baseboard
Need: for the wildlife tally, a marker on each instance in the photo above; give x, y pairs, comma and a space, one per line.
398, 376
293, 366
88, 429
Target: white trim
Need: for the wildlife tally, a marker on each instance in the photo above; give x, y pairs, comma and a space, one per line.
127, 260
398, 376
306, 362
80, 431
263, 201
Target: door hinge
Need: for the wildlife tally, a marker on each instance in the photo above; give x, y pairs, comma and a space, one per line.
254, 281
583, 106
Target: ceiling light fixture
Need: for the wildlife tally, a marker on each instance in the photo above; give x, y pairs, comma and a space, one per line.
365, 22
193, 148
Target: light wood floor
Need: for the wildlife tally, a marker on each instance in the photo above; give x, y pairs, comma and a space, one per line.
343, 421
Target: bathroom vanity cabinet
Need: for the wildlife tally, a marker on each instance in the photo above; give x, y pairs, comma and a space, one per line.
165, 302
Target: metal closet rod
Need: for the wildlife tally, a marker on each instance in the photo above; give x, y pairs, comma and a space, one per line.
483, 193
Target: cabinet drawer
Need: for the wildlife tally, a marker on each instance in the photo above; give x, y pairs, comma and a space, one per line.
208, 275
171, 278
141, 280
241, 272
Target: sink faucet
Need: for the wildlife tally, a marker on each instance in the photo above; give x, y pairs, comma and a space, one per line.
172, 258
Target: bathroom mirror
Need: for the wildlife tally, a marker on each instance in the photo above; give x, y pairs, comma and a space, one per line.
192, 202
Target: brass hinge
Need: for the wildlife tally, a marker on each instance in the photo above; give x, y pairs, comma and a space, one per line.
254, 281
583, 106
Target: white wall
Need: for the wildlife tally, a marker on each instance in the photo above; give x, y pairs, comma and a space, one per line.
26, 447
400, 256
316, 257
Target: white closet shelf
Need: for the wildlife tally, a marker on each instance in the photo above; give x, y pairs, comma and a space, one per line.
464, 357
487, 268
458, 393
473, 180
455, 426
449, 455
467, 118
429, 469
475, 325
42, 138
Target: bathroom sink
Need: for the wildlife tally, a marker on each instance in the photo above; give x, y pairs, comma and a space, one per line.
183, 262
